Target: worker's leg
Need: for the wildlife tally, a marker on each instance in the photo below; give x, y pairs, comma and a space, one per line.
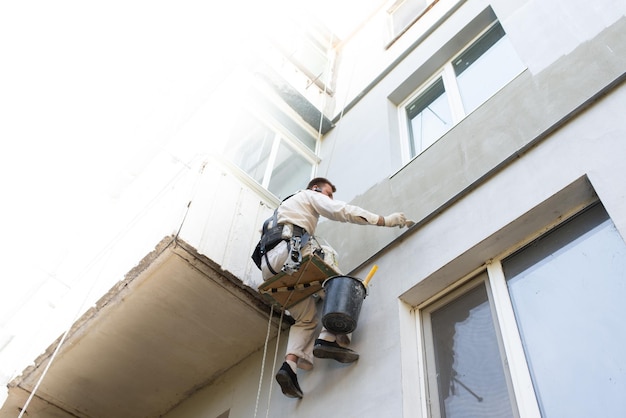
277, 257
333, 346
299, 346
341, 339
302, 332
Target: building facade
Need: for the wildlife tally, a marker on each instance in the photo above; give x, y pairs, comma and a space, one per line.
495, 125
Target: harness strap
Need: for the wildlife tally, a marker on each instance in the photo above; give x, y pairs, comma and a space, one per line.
299, 238
269, 266
274, 218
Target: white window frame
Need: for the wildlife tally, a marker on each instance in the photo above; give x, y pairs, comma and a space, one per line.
428, 352
446, 74
392, 7
517, 369
315, 39
280, 135
517, 372
451, 86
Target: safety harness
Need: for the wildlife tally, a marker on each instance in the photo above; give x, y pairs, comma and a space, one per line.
299, 238
272, 234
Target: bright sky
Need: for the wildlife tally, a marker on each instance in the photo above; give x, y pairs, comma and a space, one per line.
90, 92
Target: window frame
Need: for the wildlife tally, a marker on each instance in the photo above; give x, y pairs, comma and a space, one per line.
530, 222
281, 134
451, 86
453, 99
522, 390
465, 285
392, 6
316, 39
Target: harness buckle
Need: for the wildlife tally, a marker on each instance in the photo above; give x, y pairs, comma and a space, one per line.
295, 256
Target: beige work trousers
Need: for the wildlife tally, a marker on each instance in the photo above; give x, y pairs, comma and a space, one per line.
305, 313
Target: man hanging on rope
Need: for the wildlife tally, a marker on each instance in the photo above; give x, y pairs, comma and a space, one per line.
301, 213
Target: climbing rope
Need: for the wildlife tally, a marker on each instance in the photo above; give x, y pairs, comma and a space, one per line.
296, 286
269, 395
104, 256
67, 331
267, 337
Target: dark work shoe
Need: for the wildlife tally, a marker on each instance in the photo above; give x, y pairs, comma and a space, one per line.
288, 382
327, 349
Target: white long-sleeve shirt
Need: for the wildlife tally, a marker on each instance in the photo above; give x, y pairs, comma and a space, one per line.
305, 207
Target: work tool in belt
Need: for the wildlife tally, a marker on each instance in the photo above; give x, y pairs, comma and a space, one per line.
299, 238
272, 234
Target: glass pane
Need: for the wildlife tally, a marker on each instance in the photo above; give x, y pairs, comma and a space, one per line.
429, 117
291, 172
288, 122
312, 59
404, 12
250, 146
568, 291
486, 67
306, 44
470, 376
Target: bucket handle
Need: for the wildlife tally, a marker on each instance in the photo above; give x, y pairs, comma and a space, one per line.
370, 275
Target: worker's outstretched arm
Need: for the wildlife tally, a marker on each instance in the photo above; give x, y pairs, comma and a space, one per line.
343, 212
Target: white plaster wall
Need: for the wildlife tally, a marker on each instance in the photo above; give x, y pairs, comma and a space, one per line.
370, 130
510, 121
361, 152
541, 32
384, 381
367, 53
591, 145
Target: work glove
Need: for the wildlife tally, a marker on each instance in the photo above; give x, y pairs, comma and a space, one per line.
395, 219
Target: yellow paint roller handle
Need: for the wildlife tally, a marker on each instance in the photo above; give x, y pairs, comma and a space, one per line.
370, 275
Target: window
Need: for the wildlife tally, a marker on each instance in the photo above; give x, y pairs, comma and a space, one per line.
429, 117
568, 291
551, 313
309, 46
485, 67
275, 160
462, 85
402, 13
466, 376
